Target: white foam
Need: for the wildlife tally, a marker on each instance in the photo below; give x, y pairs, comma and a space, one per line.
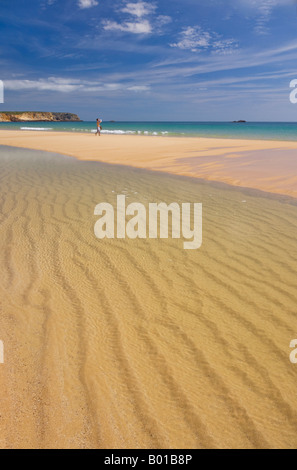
118, 132
36, 128
122, 132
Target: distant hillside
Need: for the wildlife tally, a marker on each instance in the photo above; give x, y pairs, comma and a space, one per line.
11, 116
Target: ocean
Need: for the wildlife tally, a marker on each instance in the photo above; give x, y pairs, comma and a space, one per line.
250, 130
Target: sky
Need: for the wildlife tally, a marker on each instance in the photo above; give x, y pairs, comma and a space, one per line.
163, 60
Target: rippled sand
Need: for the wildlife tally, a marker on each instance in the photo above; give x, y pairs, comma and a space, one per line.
142, 344
258, 164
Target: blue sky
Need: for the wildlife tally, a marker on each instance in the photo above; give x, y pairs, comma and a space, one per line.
192, 60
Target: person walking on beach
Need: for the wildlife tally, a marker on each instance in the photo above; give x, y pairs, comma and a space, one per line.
98, 127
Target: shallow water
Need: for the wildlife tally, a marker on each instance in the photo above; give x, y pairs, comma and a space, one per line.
140, 343
250, 130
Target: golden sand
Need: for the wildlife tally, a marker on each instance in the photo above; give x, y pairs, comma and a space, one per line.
265, 165
140, 343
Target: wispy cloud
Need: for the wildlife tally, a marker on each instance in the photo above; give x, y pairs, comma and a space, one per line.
224, 46
142, 19
263, 10
49, 84
87, 3
139, 9
182, 71
196, 39
193, 39
139, 89
68, 85
138, 27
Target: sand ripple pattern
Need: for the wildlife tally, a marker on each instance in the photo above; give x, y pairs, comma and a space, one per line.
141, 344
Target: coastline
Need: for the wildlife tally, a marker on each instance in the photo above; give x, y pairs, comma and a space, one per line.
263, 131
264, 165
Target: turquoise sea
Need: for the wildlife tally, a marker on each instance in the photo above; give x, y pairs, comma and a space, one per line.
250, 130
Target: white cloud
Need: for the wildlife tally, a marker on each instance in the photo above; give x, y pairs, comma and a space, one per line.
193, 39
142, 19
139, 88
139, 9
49, 84
87, 3
196, 39
263, 10
161, 20
224, 46
66, 85
138, 27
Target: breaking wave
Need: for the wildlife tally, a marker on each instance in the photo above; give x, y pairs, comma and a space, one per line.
36, 128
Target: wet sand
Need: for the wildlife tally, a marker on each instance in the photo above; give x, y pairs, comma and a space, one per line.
266, 165
140, 343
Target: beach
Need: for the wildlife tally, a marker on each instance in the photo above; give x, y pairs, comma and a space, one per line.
148, 227
265, 165
122, 344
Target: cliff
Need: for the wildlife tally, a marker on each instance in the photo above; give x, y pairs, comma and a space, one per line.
11, 116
